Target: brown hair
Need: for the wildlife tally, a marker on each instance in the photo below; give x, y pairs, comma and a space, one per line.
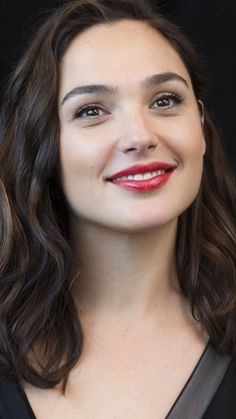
41, 337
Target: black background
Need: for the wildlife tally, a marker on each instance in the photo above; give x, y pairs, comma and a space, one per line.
211, 25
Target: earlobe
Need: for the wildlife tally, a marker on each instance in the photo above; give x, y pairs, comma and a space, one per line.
201, 110
203, 146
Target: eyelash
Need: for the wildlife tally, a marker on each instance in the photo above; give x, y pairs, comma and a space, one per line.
79, 112
177, 99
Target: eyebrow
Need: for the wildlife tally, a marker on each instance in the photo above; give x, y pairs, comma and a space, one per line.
150, 81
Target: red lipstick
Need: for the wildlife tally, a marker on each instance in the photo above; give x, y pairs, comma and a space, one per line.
143, 178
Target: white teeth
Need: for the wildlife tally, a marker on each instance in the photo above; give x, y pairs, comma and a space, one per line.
138, 177
147, 175
141, 176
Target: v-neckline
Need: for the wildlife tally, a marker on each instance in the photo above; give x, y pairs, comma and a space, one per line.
194, 397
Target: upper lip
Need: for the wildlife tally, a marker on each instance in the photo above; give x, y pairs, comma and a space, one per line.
142, 168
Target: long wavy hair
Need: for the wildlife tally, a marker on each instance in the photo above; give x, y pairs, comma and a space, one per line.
41, 337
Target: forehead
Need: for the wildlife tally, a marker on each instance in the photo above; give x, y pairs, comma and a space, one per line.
120, 53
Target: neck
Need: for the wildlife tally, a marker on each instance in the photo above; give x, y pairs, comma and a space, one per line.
129, 273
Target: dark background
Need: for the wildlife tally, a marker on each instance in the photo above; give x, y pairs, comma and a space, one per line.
211, 25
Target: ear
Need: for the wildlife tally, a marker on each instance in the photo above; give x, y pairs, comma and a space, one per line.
201, 110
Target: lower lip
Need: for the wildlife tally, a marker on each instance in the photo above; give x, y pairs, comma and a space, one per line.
144, 185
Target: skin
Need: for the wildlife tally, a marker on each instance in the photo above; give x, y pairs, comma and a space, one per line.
137, 324
121, 235
129, 131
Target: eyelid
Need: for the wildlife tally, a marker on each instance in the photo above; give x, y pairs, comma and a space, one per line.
88, 106
178, 98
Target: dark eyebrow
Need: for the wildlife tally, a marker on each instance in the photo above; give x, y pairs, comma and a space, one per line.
162, 78
90, 89
109, 90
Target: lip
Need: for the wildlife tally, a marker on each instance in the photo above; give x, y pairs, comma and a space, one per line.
144, 185
142, 168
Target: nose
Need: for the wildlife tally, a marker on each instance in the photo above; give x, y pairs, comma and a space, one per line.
138, 134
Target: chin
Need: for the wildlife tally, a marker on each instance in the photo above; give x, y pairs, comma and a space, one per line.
141, 224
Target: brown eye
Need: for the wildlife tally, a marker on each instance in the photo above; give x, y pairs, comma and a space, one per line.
167, 101
89, 111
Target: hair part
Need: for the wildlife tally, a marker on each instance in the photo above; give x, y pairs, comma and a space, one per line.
41, 337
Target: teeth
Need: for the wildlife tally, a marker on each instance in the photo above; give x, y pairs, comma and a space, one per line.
147, 175
141, 176
138, 177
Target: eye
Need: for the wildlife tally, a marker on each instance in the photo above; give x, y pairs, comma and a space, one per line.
89, 112
167, 100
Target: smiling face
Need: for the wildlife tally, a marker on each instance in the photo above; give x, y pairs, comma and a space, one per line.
126, 99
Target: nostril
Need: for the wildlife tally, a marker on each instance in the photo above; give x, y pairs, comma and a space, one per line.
131, 149
140, 148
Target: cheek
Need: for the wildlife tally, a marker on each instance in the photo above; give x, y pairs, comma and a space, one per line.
189, 148
189, 141
82, 159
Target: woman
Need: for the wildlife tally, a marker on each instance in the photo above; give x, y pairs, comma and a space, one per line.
118, 225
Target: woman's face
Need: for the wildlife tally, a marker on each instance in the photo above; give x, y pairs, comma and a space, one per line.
126, 104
